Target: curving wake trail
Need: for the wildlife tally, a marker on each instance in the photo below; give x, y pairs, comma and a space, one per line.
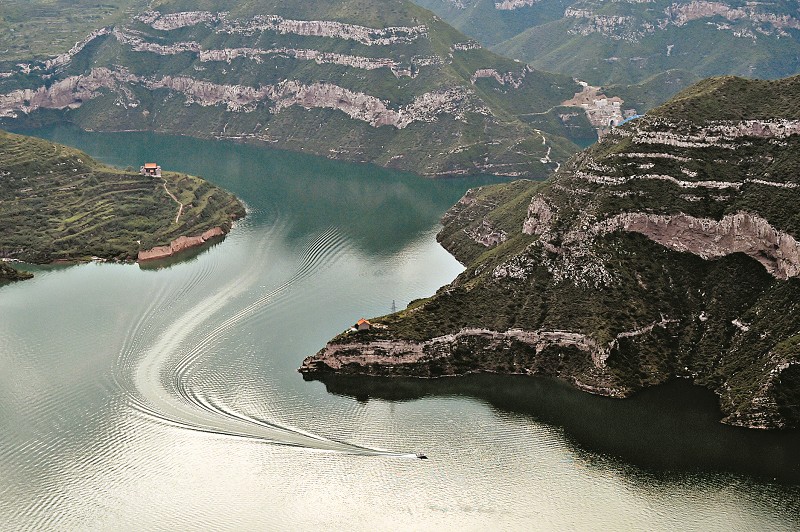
159, 377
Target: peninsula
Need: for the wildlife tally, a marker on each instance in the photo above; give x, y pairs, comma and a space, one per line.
667, 250
58, 204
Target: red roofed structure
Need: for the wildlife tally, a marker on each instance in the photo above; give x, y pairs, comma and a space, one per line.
150, 169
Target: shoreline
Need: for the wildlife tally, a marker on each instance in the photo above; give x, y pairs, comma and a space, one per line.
179, 244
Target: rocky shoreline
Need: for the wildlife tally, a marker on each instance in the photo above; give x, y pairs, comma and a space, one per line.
182, 243
8, 273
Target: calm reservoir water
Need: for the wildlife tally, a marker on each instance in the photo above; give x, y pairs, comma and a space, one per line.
169, 399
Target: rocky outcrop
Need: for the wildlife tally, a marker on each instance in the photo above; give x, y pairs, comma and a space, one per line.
348, 355
174, 21
681, 14
512, 79
486, 234
615, 27
742, 21
277, 24
324, 28
540, 217
742, 232
73, 91
65, 58
138, 44
510, 5
182, 243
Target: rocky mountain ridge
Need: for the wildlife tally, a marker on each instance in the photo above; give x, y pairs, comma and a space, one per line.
332, 87
668, 250
630, 41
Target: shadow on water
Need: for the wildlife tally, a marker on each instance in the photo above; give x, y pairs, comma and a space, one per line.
673, 427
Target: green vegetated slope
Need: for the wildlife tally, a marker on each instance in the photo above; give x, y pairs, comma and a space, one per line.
56, 203
364, 80
669, 249
43, 28
629, 42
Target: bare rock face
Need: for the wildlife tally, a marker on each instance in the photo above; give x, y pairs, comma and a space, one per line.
485, 234
742, 232
416, 358
512, 79
510, 5
182, 243
277, 24
73, 91
745, 21
540, 217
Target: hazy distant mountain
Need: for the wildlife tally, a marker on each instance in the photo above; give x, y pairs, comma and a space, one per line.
629, 41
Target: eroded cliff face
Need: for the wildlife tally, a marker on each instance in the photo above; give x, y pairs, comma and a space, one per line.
72, 92
741, 232
510, 5
182, 243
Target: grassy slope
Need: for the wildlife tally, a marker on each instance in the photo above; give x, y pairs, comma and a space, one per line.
650, 281
58, 203
733, 98
38, 29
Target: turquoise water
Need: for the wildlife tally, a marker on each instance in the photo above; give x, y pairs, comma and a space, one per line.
168, 398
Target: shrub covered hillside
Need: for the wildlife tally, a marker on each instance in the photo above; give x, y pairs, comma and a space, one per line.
630, 41
57, 203
362, 80
669, 249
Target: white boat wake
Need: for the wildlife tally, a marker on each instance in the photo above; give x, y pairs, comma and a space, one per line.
156, 381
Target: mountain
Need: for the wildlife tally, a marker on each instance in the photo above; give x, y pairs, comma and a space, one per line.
667, 250
57, 203
628, 42
384, 82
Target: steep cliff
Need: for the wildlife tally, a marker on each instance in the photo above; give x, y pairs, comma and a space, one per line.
670, 249
362, 80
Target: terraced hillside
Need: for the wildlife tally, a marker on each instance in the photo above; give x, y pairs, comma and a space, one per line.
669, 249
56, 203
384, 82
43, 28
630, 41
